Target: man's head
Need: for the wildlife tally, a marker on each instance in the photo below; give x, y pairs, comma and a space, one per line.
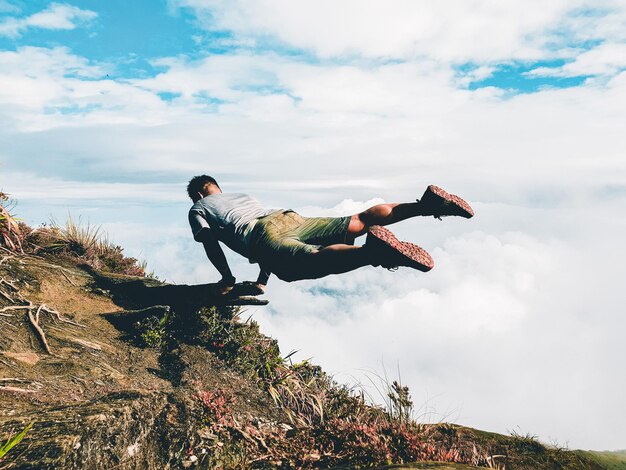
201, 186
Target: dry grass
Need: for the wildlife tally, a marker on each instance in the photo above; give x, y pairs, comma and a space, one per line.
300, 397
78, 237
86, 243
10, 231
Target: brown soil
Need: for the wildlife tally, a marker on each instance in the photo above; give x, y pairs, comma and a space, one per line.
97, 399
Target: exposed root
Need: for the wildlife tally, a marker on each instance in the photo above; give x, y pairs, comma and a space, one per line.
8, 283
59, 317
6, 296
14, 379
34, 321
40, 262
15, 307
16, 390
30, 305
68, 278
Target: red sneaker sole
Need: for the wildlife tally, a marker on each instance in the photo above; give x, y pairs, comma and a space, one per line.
453, 198
417, 256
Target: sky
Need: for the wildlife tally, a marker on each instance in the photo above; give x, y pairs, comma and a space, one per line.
107, 109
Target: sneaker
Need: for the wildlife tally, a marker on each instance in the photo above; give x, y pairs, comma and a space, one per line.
389, 252
439, 203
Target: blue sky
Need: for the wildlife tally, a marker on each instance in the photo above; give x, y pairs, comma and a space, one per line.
125, 34
107, 108
130, 36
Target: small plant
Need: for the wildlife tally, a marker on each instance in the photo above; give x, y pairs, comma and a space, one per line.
396, 397
296, 389
14, 440
217, 406
10, 232
526, 443
143, 265
299, 395
241, 345
401, 404
153, 331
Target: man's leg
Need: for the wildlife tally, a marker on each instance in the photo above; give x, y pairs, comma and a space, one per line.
434, 202
332, 259
382, 214
339, 258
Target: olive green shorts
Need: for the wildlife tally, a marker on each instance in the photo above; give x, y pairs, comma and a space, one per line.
282, 240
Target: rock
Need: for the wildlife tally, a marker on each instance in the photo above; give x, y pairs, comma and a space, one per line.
25, 357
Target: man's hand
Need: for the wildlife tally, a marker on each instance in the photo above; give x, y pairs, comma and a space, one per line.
225, 285
250, 288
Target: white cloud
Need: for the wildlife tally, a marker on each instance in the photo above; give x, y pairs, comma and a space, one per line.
605, 59
477, 74
29, 186
55, 16
42, 88
406, 125
451, 31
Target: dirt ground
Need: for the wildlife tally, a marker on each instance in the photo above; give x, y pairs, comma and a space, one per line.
95, 396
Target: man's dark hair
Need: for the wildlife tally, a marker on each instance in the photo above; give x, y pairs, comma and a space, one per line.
197, 185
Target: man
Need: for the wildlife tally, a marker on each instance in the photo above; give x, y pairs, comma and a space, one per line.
295, 247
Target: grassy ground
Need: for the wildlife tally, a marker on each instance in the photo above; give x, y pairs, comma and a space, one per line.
609, 460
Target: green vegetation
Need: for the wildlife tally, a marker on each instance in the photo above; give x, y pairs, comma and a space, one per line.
401, 406
14, 440
608, 460
153, 331
331, 424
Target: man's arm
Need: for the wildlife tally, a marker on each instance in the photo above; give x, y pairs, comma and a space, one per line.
202, 233
264, 276
215, 254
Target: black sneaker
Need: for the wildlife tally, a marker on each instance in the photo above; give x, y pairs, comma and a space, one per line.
439, 203
389, 252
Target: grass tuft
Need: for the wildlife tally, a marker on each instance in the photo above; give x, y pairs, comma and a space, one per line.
11, 233
79, 238
84, 243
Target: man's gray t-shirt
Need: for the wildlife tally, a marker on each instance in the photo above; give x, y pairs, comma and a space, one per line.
230, 217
